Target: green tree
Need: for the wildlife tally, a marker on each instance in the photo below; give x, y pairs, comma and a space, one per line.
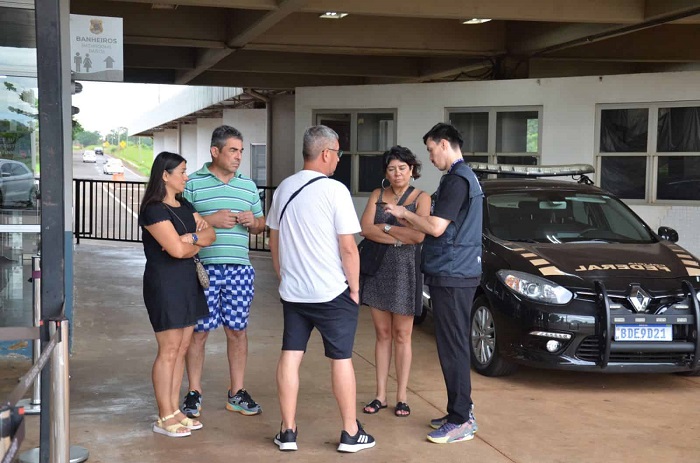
89, 138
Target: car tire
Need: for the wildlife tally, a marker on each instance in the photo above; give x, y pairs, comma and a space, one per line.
484, 352
690, 373
31, 201
418, 319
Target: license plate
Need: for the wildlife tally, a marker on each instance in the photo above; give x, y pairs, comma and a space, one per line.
643, 333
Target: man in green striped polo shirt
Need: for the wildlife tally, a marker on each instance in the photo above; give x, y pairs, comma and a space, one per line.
230, 203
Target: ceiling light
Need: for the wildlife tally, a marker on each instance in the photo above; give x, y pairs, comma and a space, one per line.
333, 15
475, 21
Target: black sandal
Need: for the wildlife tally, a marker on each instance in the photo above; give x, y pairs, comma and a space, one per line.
402, 407
374, 406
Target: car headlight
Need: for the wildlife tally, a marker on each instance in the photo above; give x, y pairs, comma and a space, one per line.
534, 287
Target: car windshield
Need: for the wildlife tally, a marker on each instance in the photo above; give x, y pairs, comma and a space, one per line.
563, 217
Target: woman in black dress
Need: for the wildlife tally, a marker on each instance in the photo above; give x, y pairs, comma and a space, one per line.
172, 235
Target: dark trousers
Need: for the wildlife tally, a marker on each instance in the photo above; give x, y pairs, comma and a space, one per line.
451, 313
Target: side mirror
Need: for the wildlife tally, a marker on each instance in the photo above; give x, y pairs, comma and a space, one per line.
668, 234
5, 174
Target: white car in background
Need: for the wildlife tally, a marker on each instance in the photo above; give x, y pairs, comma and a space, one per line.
113, 166
89, 156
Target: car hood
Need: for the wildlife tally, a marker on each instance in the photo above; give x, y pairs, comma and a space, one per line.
608, 262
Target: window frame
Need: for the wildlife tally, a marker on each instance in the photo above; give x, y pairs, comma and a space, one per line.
492, 127
651, 154
352, 152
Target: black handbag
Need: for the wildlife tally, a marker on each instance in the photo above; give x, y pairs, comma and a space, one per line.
371, 256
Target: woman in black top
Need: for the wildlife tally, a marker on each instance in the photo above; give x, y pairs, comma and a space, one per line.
172, 235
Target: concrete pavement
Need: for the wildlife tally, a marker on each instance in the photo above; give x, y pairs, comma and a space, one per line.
534, 416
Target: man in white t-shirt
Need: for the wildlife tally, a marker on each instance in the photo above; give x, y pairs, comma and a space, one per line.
312, 226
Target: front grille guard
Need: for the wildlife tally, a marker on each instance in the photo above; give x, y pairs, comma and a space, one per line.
604, 328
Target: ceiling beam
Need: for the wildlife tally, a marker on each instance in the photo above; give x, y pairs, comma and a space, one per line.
525, 38
303, 32
435, 70
152, 57
172, 42
647, 24
209, 58
671, 43
272, 81
603, 11
654, 8
319, 64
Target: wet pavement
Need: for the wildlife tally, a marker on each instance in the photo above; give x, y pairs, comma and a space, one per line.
533, 416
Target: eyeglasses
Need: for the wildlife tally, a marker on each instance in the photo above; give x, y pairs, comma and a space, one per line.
340, 152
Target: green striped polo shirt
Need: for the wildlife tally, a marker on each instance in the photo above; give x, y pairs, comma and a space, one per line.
208, 194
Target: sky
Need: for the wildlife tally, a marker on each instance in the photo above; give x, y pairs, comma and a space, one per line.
108, 105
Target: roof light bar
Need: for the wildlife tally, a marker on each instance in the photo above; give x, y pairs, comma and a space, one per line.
532, 171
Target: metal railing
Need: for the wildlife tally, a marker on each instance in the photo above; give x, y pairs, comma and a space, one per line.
55, 443
108, 210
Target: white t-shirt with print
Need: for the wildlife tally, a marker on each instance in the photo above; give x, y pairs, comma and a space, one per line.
309, 252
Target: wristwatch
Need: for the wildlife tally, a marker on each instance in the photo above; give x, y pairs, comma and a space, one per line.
387, 228
195, 238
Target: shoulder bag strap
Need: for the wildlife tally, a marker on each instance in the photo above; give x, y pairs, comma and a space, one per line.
297, 192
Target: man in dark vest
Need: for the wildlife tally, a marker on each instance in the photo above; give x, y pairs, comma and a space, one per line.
451, 263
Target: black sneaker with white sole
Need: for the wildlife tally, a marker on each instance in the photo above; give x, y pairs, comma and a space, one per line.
359, 441
286, 440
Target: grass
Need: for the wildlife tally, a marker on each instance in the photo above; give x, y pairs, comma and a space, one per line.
140, 157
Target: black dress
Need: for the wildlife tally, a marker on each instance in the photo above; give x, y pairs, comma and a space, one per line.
397, 285
171, 291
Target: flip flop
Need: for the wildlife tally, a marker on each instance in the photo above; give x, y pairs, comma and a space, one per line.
402, 407
374, 406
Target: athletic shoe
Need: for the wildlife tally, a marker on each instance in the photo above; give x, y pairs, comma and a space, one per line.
450, 433
192, 404
243, 403
438, 422
359, 441
286, 440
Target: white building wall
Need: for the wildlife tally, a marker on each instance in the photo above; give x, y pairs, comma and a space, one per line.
568, 120
171, 140
204, 129
188, 145
158, 142
252, 123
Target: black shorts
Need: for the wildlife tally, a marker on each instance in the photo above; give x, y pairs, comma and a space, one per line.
336, 320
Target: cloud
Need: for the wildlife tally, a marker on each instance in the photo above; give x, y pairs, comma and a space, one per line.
108, 105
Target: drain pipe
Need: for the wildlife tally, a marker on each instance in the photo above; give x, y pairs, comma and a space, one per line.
653, 22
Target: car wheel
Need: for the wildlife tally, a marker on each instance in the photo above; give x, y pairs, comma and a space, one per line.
418, 319
485, 355
31, 202
690, 373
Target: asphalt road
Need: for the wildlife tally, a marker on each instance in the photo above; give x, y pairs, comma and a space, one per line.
93, 171
105, 209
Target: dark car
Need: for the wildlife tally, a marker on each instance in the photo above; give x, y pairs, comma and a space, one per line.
99, 151
17, 184
574, 279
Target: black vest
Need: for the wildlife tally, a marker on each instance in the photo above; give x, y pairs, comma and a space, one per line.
457, 252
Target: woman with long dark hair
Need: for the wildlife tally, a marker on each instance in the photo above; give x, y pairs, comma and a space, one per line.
173, 233
394, 291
